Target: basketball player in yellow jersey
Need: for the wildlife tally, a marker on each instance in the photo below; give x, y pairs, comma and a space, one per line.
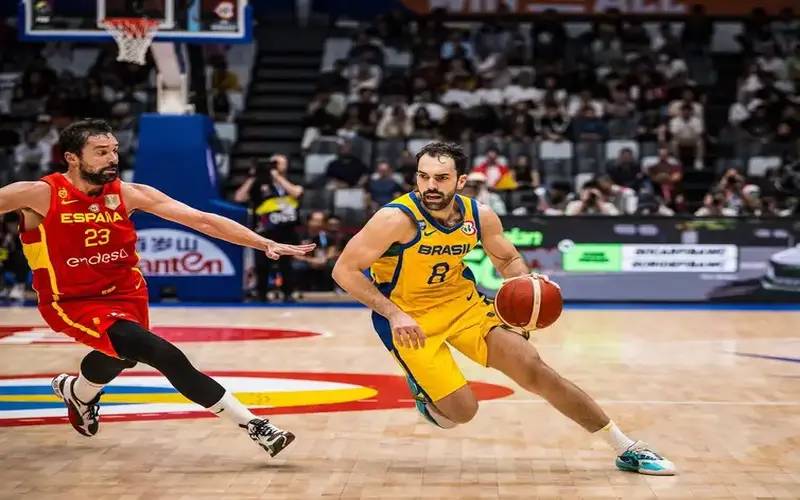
423, 297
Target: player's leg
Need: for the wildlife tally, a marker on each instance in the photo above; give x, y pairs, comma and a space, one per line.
132, 341
81, 394
518, 359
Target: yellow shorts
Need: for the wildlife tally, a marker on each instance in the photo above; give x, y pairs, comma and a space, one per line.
461, 324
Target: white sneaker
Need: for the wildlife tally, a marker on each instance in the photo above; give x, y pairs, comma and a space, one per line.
84, 417
269, 437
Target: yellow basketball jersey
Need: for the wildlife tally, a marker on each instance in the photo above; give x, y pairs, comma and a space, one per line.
429, 271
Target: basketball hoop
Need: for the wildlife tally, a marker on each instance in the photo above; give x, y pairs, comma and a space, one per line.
133, 36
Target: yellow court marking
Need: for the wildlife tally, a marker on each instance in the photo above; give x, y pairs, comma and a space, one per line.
272, 399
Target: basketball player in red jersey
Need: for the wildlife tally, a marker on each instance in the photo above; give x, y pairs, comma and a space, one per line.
81, 245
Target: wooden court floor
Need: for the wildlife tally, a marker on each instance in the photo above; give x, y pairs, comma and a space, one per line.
718, 392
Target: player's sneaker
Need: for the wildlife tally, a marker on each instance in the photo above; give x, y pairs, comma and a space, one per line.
639, 458
84, 417
269, 437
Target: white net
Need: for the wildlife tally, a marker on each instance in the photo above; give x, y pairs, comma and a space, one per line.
133, 36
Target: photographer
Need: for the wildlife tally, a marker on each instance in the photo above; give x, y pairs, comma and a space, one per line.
274, 201
592, 202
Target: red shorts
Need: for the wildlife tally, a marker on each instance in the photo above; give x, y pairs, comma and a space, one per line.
88, 320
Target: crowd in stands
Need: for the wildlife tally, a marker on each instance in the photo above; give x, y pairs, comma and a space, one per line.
611, 121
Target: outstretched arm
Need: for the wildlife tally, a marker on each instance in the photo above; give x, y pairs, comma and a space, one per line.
505, 257
151, 200
21, 195
387, 226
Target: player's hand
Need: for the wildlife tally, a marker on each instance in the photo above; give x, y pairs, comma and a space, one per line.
406, 331
546, 278
275, 250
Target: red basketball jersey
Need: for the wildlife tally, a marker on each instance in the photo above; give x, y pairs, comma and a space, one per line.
85, 247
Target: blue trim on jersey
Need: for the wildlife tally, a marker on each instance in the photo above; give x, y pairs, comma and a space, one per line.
383, 329
477, 217
413, 217
429, 218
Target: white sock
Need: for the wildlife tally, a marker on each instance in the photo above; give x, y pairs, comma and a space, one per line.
85, 390
615, 437
229, 407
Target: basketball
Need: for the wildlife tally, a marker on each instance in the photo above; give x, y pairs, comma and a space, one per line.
528, 302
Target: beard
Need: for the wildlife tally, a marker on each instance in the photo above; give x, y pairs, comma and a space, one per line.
100, 177
439, 201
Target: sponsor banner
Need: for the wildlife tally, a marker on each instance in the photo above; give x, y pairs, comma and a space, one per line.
655, 258
588, 7
679, 258
173, 252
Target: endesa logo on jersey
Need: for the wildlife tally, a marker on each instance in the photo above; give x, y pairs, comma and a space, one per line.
98, 258
172, 252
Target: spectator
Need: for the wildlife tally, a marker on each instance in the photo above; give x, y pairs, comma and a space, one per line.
366, 50
407, 167
455, 126
786, 29
394, 123
32, 158
554, 200
476, 188
457, 46
553, 126
687, 136
620, 105
625, 170
498, 175
758, 125
314, 271
578, 103
635, 37
757, 34
363, 75
524, 173
519, 123
334, 80
650, 204
420, 125
687, 99
793, 67
383, 186
736, 193
714, 206
222, 79
589, 127
346, 170
591, 202
665, 178
274, 201
698, 30
13, 264
666, 42
771, 62
548, 37
623, 198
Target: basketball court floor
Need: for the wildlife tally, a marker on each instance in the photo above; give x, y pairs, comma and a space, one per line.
717, 391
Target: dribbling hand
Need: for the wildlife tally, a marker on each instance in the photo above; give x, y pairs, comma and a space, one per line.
406, 331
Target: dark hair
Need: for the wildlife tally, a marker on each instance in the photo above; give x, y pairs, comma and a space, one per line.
74, 136
449, 149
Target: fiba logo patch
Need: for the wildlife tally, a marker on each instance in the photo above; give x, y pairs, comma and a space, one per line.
94, 208
422, 225
468, 228
225, 10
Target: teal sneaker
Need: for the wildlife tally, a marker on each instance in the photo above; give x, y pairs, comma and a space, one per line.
639, 458
422, 402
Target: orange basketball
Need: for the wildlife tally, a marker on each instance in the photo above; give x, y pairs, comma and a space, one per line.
528, 302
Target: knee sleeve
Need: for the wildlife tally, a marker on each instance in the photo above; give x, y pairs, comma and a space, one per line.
100, 368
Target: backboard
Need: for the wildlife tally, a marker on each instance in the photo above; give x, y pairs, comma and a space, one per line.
187, 21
